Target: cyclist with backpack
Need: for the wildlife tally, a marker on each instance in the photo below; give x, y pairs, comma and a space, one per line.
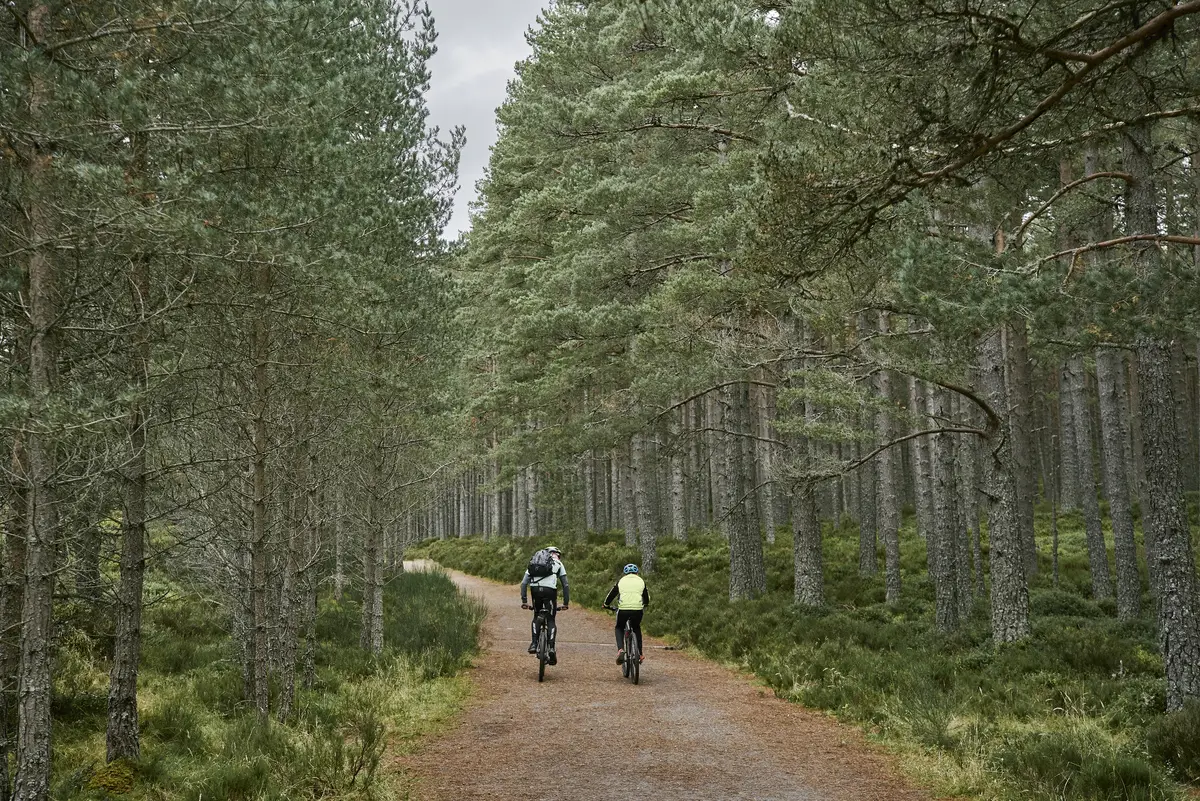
632, 598
541, 578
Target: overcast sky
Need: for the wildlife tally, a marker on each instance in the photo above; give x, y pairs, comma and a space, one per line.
479, 41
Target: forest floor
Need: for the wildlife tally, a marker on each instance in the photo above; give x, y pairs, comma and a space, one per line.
691, 730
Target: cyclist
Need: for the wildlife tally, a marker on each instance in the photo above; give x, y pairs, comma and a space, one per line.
544, 590
632, 598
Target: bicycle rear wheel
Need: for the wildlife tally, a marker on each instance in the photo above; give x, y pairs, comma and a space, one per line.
637, 660
543, 650
627, 665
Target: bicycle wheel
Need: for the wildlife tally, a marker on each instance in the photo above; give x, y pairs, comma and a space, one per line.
637, 660
543, 649
627, 665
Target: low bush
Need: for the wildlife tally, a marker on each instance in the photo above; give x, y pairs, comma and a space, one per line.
202, 741
1175, 739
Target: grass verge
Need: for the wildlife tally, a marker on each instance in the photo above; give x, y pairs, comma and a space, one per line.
200, 741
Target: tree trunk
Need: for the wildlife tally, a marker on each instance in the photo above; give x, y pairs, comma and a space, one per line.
496, 509
1069, 450
678, 493
806, 550
1018, 383
589, 491
42, 517
121, 737
765, 457
260, 542
643, 475
371, 631
41, 490
1164, 511
888, 496
1010, 589
922, 478
1110, 375
12, 594
533, 486
807, 557
747, 575
965, 450
628, 507
1085, 474
943, 538
868, 481
722, 467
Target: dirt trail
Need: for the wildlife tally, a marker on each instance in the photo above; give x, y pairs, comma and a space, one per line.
691, 730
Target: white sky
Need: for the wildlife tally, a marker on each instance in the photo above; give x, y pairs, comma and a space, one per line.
479, 41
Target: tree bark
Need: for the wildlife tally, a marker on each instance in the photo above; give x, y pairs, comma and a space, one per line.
1085, 474
1164, 511
628, 508
1110, 375
1020, 395
533, 487
12, 594
922, 479
1069, 450
643, 476
808, 561
965, 450
1010, 589
888, 500
371, 631
868, 480
747, 575
121, 737
806, 550
765, 457
260, 536
42, 516
589, 491
943, 539
678, 490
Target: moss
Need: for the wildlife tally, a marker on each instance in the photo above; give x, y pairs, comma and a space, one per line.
116, 777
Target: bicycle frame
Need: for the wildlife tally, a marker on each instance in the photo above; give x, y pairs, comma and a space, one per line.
631, 667
543, 613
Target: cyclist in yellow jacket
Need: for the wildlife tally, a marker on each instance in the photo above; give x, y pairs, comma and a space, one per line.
632, 598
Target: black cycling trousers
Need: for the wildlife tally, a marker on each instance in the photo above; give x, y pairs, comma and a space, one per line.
634, 616
547, 597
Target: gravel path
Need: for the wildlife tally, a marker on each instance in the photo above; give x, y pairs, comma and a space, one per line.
691, 730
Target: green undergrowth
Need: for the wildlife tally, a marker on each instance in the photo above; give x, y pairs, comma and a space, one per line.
201, 742
1074, 713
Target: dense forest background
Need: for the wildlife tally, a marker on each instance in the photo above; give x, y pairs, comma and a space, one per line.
898, 291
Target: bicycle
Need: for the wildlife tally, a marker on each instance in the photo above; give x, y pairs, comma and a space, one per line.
631, 667
543, 639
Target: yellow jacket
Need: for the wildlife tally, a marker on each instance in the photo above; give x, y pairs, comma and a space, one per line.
630, 591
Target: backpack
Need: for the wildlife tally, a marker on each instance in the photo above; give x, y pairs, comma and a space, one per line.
541, 565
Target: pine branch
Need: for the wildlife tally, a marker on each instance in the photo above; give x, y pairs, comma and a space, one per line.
1075, 253
1020, 235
